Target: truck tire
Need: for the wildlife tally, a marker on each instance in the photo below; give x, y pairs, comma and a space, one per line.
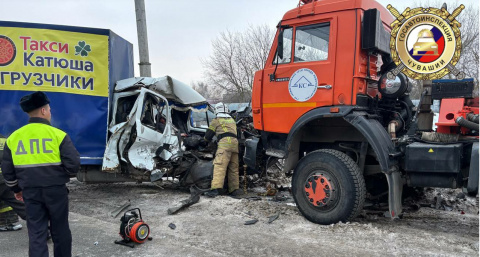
342, 187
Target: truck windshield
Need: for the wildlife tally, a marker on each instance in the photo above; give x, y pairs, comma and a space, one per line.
199, 119
311, 42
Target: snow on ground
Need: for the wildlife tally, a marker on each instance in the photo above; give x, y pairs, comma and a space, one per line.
215, 227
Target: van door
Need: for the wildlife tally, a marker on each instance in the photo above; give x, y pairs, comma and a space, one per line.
304, 78
123, 120
153, 131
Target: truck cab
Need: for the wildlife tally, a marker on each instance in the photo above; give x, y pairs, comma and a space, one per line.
325, 38
346, 129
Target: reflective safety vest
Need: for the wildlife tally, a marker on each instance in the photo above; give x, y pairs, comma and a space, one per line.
5, 209
36, 145
39, 155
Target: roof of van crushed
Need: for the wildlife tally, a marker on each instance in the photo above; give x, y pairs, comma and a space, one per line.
167, 86
327, 6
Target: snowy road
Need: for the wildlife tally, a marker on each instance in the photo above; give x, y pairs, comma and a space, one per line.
215, 227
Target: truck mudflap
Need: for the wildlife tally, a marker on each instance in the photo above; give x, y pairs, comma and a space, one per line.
472, 186
383, 146
395, 188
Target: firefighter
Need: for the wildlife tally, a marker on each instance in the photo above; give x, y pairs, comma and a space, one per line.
8, 203
226, 157
38, 160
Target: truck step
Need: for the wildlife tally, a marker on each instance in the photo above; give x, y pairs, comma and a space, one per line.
275, 153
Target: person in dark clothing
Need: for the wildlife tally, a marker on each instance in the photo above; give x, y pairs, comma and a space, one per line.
38, 161
6, 195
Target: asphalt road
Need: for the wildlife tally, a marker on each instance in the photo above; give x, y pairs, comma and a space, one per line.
85, 231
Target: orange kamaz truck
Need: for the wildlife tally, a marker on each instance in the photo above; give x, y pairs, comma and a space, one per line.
324, 104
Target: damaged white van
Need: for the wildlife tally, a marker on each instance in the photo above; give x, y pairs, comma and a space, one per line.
152, 135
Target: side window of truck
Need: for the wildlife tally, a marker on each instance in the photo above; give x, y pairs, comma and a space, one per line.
153, 113
287, 47
311, 42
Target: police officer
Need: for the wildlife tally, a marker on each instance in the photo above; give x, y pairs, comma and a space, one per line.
38, 160
6, 195
226, 157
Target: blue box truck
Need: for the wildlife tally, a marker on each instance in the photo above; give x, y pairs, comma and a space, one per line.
125, 128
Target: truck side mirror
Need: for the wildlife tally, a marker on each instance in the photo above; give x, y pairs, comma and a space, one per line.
280, 44
374, 36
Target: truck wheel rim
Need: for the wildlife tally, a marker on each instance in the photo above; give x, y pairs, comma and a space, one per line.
319, 190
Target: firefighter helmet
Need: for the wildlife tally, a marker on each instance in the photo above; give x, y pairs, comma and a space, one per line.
221, 108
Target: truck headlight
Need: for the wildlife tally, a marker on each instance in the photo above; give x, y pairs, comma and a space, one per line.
392, 88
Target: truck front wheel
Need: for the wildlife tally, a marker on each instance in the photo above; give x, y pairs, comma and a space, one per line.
328, 187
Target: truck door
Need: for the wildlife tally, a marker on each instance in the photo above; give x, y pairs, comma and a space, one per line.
153, 131
304, 78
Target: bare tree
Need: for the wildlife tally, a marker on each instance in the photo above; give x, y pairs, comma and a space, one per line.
235, 58
202, 88
468, 62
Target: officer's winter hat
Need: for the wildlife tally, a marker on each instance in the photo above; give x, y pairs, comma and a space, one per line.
33, 101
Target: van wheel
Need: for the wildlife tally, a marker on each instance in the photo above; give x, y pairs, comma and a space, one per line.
328, 187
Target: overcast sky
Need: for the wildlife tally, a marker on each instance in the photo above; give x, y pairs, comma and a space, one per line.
179, 31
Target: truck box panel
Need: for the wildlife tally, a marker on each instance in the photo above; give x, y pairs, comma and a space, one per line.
83, 114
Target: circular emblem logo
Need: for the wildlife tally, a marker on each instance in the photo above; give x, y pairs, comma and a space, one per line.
425, 44
303, 85
7, 51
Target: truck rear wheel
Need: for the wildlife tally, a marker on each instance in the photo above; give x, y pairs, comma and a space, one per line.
328, 187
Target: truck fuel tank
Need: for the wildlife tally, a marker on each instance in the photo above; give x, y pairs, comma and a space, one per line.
423, 157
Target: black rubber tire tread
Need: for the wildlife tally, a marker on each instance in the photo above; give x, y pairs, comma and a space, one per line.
352, 178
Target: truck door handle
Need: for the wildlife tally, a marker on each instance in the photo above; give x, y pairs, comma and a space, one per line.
325, 87
256, 111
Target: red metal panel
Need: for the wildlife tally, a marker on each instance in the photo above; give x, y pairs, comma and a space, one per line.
449, 111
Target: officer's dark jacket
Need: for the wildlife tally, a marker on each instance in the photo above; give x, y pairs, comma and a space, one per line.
38, 155
2, 145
